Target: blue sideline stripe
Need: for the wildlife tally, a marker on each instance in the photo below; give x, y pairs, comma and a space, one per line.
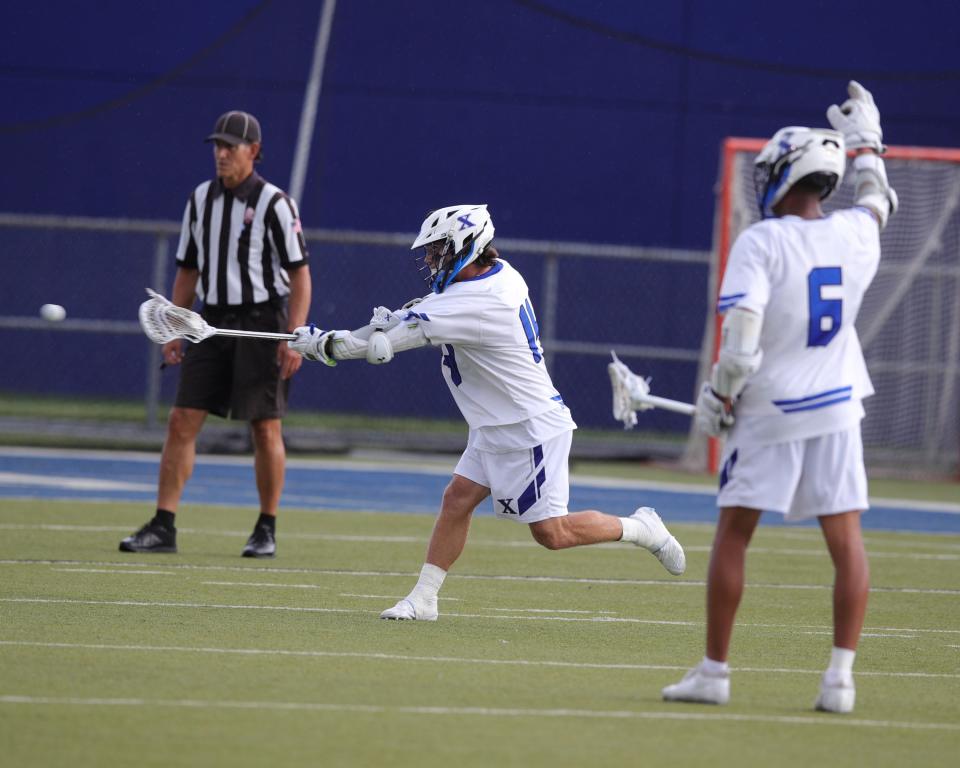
382, 489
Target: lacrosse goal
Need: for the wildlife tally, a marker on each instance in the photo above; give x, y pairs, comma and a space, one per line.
909, 323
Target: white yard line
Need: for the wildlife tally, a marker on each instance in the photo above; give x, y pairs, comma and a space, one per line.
113, 572
394, 597
465, 576
511, 617
818, 550
274, 652
377, 709
71, 483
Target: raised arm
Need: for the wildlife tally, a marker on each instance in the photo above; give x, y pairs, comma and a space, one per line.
858, 119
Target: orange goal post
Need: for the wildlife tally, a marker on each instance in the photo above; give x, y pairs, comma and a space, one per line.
909, 323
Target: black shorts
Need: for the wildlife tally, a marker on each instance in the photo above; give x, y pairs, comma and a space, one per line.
236, 378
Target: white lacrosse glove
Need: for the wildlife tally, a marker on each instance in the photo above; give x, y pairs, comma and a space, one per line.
858, 119
383, 319
311, 342
711, 415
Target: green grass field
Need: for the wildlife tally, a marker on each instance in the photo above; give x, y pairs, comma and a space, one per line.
539, 658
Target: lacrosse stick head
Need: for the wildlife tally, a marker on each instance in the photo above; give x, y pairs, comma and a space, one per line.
163, 321
627, 387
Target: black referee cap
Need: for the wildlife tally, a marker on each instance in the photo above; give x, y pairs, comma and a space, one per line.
236, 128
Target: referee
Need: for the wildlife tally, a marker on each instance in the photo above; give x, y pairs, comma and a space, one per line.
243, 255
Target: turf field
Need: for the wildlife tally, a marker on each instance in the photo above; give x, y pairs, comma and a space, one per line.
539, 658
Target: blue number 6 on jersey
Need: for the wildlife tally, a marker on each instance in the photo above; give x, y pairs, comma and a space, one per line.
826, 315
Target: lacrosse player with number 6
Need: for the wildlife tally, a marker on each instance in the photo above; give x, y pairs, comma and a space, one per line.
787, 388
480, 317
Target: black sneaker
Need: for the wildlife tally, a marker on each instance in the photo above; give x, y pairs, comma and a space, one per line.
153, 537
261, 543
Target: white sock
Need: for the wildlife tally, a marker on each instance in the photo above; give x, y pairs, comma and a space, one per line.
638, 532
429, 583
631, 529
841, 663
712, 667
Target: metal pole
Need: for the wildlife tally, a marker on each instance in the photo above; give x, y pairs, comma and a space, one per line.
308, 115
160, 255
548, 324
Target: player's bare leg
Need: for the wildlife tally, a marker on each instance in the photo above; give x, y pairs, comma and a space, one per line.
179, 455
460, 498
269, 462
709, 681
850, 591
449, 536
643, 528
176, 465
576, 529
852, 582
725, 576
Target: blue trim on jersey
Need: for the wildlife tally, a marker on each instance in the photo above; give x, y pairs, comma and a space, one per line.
726, 302
812, 402
814, 407
531, 329
559, 399
418, 315
489, 273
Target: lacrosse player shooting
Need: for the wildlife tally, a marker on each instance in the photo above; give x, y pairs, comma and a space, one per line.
480, 317
787, 388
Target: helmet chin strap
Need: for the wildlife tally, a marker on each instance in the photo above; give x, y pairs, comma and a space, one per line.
446, 275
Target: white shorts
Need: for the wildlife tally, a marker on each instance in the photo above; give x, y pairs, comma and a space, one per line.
528, 485
800, 479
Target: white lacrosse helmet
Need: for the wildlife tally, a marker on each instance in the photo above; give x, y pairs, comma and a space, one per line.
796, 153
460, 233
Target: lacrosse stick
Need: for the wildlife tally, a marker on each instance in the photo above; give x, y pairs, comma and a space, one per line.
164, 321
632, 393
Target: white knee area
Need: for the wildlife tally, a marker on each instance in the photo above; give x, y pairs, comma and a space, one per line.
740, 353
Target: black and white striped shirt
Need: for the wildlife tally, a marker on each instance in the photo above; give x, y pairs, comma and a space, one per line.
242, 240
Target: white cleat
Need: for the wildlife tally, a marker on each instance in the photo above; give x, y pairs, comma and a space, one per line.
836, 695
666, 548
701, 687
407, 610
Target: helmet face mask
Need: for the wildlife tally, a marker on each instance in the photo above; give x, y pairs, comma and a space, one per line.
792, 155
435, 258
451, 238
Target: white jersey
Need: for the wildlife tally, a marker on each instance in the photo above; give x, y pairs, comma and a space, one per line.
492, 360
807, 278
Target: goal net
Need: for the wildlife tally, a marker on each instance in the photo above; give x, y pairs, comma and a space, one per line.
909, 323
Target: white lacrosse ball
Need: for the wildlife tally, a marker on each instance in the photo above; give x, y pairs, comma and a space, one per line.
52, 313
379, 348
